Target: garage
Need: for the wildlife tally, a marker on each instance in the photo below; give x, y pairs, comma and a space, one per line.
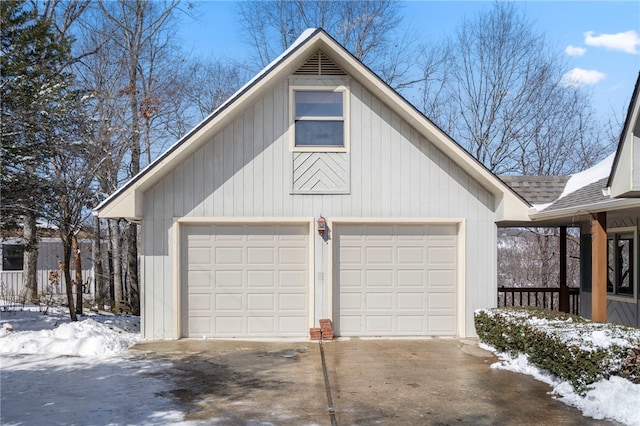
245, 280
395, 279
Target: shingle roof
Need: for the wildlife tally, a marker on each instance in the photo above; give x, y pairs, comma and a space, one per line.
590, 194
537, 189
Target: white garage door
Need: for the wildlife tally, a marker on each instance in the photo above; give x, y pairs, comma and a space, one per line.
245, 281
394, 280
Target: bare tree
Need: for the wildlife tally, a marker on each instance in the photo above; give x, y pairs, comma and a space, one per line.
500, 92
132, 108
370, 30
211, 82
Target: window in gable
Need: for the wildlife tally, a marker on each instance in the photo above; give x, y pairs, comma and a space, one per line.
319, 119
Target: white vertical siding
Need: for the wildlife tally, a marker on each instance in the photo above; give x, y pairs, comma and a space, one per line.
50, 252
246, 170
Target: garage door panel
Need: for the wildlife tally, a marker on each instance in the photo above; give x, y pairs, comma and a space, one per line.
200, 302
410, 301
379, 278
435, 232
227, 255
225, 232
441, 255
261, 302
441, 325
351, 255
441, 302
410, 255
291, 302
263, 325
291, 256
199, 279
199, 233
377, 232
260, 256
379, 255
351, 325
379, 324
410, 232
229, 302
256, 280
261, 279
200, 255
228, 326
379, 301
411, 324
227, 279
351, 278
200, 325
351, 301
292, 326
411, 278
393, 280
293, 279
293, 233
445, 278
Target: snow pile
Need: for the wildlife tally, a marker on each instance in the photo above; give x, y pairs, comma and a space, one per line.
615, 398
82, 338
29, 331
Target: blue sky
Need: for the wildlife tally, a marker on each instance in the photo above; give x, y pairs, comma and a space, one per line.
599, 40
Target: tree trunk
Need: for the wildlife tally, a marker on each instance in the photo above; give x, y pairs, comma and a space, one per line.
77, 260
117, 265
132, 269
97, 263
66, 246
29, 272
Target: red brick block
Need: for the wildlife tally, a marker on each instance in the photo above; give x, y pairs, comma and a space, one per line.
315, 333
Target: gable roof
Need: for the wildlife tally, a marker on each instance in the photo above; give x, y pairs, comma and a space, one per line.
126, 202
633, 118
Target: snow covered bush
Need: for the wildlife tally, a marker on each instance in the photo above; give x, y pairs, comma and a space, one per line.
570, 347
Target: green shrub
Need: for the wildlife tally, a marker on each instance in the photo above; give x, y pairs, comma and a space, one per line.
572, 348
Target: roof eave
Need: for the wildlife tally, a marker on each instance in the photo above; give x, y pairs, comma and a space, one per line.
585, 209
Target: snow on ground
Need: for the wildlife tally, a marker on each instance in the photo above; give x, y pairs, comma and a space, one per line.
614, 399
46, 361
54, 371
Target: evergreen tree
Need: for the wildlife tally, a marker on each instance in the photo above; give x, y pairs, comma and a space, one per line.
35, 107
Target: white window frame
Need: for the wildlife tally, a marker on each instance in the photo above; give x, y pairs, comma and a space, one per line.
628, 298
293, 118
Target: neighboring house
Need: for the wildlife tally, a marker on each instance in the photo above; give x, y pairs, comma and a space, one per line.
49, 274
231, 215
604, 202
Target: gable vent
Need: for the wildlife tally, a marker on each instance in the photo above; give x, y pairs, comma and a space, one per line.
319, 64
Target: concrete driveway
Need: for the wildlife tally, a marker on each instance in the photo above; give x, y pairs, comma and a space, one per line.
399, 382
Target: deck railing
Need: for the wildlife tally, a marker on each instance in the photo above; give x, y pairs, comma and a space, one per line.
540, 297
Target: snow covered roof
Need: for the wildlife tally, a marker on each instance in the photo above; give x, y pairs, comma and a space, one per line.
583, 192
587, 177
